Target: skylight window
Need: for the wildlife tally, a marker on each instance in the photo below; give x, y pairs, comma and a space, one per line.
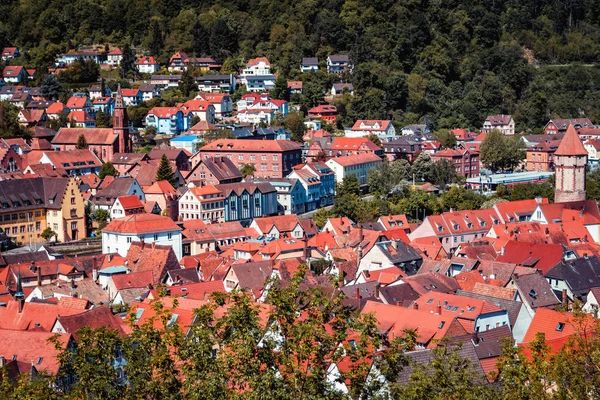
560, 326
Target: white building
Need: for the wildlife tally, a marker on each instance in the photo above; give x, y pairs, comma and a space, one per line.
356, 164
362, 128
118, 235
503, 123
147, 65
205, 203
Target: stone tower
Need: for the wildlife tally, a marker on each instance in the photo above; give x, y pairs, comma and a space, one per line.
570, 159
121, 124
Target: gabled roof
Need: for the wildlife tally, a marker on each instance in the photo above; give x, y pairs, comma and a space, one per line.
536, 291
553, 324
140, 224
77, 101
540, 256
164, 112
33, 347
355, 159
95, 318
371, 125
152, 257
571, 145
130, 202
252, 275
93, 136
283, 223
580, 275
251, 145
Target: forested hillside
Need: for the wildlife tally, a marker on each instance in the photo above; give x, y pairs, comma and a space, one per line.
449, 62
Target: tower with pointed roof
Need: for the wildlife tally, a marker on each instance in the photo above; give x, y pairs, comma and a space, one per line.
121, 123
570, 160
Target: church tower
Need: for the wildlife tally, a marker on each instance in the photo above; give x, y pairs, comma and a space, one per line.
570, 160
121, 124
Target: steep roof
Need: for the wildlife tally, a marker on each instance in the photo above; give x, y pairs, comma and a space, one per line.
571, 145
95, 318
33, 347
251, 145
93, 136
140, 224
130, 202
355, 159
152, 257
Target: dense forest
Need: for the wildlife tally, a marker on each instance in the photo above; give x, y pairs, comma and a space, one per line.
448, 63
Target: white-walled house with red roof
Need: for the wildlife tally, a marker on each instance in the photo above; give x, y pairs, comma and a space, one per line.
362, 127
169, 120
118, 235
359, 165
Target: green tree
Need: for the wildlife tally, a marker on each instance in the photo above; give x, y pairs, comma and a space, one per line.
156, 38
188, 85
447, 375
82, 142
320, 217
280, 90
50, 87
102, 119
127, 64
108, 169
222, 40
165, 172
47, 233
248, 170
201, 40
295, 124
501, 152
445, 137
442, 173
422, 166
101, 216
9, 122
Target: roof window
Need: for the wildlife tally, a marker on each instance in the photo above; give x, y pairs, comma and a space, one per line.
560, 326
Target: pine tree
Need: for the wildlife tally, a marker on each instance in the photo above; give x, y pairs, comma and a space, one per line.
100, 119
165, 171
222, 40
188, 84
107, 169
156, 41
200, 43
127, 62
82, 142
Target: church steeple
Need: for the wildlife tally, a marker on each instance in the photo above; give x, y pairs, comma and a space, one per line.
570, 159
19, 294
121, 123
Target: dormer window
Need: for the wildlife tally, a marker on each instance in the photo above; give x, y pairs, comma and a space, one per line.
455, 226
482, 223
469, 225
440, 228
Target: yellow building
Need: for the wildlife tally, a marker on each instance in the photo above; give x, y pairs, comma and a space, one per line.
28, 206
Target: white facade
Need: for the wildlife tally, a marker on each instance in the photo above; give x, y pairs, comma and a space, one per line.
116, 242
207, 207
256, 116
360, 170
147, 68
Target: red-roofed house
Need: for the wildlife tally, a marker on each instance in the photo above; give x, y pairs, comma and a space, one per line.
220, 101
132, 97
474, 315
465, 162
204, 203
325, 112
280, 226
81, 119
14, 74
165, 195
10, 53
361, 128
147, 65
118, 235
358, 164
33, 349
271, 158
503, 123
126, 205
454, 228
114, 57
343, 146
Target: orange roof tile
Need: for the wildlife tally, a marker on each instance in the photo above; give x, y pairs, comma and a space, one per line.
571, 145
142, 224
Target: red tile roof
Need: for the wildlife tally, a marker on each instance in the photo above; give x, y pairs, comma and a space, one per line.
141, 224
146, 60
547, 322
324, 108
160, 187
77, 101
356, 159
93, 136
55, 108
371, 125
571, 145
117, 52
73, 159
163, 112
80, 116
539, 256
130, 202
33, 347
251, 145
10, 71
254, 61
140, 279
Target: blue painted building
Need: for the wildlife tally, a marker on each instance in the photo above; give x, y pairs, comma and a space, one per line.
168, 120
245, 201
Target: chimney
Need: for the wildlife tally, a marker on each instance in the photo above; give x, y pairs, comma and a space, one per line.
2, 361
565, 298
515, 275
39, 275
357, 293
377, 287
153, 245
94, 269
73, 286
538, 200
395, 244
439, 308
416, 305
